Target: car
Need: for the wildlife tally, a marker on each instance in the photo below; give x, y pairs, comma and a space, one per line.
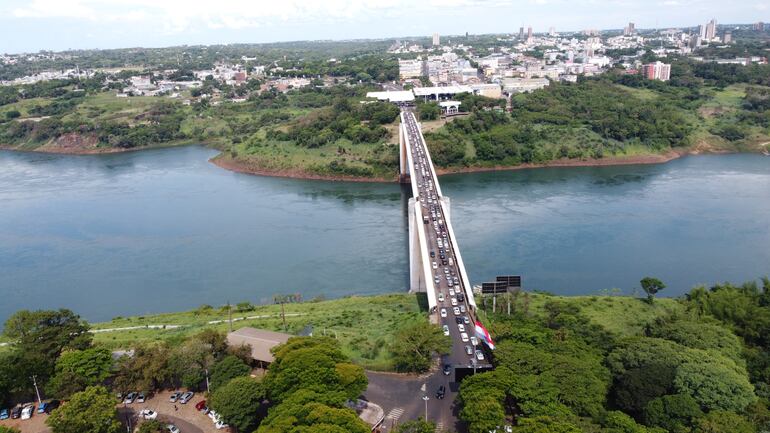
5, 414
456, 311
148, 414
474, 341
172, 428
446, 330
435, 265
140, 397
186, 397
454, 302
461, 327
436, 279
440, 392
449, 282
213, 415
174, 396
219, 424
201, 406
443, 312
458, 320
468, 350
129, 398
27, 411
462, 308
447, 369
464, 337
440, 295
47, 406
460, 297
466, 320
479, 355
16, 412
451, 292
432, 254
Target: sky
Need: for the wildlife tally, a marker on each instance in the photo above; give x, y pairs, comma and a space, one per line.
33, 25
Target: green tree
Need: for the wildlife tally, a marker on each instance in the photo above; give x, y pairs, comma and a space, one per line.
545, 424
672, 412
415, 344
228, 368
147, 370
152, 426
701, 335
12, 114
238, 401
77, 369
5, 429
416, 426
97, 403
716, 383
719, 421
651, 286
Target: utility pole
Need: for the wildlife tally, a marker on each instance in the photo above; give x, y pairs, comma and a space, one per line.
283, 316
425, 397
207, 380
230, 315
37, 391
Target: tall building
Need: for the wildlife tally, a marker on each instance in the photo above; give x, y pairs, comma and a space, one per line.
702, 31
728, 37
657, 71
552, 31
529, 34
436, 40
629, 30
760, 26
711, 29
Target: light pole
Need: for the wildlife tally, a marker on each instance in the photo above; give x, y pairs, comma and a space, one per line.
37, 391
207, 380
425, 397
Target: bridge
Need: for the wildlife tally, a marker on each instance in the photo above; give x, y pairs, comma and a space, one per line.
435, 264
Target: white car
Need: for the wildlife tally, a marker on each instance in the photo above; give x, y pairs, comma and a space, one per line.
456, 311
446, 330
435, 266
474, 341
148, 414
461, 327
440, 296
464, 337
172, 428
451, 292
28, 410
479, 355
443, 312
454, 302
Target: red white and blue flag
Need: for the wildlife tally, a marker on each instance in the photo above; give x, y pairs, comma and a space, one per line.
483, 334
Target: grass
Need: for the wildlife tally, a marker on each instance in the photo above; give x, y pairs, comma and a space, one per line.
620, 315
365, 326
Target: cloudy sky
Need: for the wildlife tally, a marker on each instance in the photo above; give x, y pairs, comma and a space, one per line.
32, 25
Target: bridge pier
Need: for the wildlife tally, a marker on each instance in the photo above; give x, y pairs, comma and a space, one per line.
416, 271
403, 158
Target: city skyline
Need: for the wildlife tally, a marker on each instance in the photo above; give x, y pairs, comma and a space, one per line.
104, 24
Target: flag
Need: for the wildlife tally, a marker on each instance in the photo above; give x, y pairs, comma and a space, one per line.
483, 334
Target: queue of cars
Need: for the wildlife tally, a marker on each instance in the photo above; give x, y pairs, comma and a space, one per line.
27, 410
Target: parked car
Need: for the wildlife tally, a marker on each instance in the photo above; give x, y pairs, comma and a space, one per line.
446, 330
440, 296
130, 398
201, 406
464, 337
440, 392
461, 327
174, 396
140, 397
447, 369
172, 428
474, 341
47, 406
186, 397
16, 412
468, 350
148, 414
5, 414
27, 411
443, 312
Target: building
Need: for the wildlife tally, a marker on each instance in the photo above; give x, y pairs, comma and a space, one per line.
489, 90
529, 34
394, 96
521, 32
711, 30
728, 37
436, 39
759, 27
521, 85
629, 30
552, 31
657, 71
260, 341
411, 68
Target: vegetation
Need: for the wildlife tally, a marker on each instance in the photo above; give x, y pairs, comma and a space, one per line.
238, 401
684, 370
95, 401
416, 344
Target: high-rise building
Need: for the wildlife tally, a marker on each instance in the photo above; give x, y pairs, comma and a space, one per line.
657, 71
728, 37
521, 32
711, 29
529, 34
552, 31
760, 26
702, 31
629, 30
436, 39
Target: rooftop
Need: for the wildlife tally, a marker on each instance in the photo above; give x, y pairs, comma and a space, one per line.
260, 340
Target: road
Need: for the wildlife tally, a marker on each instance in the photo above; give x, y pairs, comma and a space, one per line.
454, 314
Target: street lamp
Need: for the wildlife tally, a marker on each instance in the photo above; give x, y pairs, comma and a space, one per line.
425, 397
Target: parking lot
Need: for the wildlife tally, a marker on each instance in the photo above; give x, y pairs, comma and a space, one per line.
183, 416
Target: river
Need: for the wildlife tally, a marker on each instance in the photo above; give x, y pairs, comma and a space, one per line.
165, 230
